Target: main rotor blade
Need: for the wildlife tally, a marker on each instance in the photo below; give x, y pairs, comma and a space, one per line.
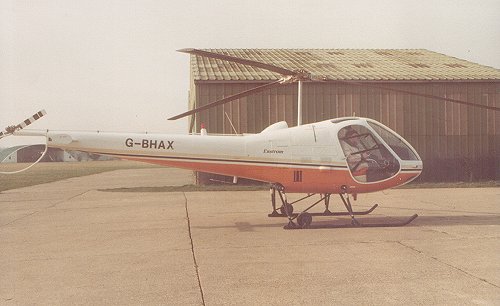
238, 60
228, 99
494, 108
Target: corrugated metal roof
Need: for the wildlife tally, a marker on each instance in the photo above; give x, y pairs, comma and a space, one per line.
342, 64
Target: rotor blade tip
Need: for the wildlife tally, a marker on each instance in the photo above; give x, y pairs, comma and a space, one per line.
175, 117
186, 50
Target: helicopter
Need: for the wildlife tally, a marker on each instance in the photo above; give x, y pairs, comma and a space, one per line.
344, 156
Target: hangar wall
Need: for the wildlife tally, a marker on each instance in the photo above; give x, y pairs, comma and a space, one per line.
456, 142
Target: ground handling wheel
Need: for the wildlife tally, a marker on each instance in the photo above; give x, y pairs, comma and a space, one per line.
304, 219
289, 208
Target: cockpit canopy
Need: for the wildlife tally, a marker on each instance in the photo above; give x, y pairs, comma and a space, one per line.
373, 152
395, 142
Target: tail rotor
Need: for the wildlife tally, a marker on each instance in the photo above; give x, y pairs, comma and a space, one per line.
14, 128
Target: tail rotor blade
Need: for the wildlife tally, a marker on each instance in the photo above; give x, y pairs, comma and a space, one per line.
13, 128
32, 119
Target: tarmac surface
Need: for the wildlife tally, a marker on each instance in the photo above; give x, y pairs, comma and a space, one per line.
68, 242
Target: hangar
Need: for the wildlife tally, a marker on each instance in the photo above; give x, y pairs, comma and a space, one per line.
31, 153
456, 142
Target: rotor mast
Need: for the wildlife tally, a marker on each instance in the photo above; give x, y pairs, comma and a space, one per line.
299, 103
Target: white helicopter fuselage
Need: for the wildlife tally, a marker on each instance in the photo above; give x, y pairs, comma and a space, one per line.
309, 158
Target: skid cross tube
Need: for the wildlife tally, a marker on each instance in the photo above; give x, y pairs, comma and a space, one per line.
273, 202
329, 213
294, 216
280, 189
327, 204
348, 206
287, 208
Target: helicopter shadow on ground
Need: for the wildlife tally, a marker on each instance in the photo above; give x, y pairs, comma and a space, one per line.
382, 221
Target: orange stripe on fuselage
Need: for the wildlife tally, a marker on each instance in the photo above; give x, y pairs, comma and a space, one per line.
312, 180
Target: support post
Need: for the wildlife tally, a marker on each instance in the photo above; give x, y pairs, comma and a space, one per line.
299, 104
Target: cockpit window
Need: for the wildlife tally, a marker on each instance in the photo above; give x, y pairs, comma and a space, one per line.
368, 159
396, 144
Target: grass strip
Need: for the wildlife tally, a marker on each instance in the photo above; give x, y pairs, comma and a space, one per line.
51, 172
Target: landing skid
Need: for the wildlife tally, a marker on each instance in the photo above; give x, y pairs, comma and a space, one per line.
366, 223
304, 218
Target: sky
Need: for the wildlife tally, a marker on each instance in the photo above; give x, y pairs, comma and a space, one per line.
113, 66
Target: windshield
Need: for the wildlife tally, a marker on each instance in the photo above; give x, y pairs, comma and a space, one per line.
396, 143
368, 159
